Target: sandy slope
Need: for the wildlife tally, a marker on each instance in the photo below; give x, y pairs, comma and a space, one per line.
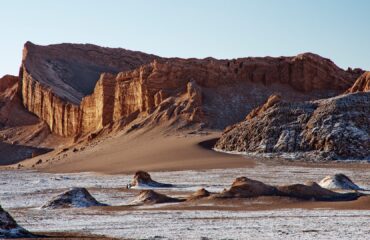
149, 151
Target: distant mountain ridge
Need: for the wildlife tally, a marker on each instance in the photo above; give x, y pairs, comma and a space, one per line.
80, 89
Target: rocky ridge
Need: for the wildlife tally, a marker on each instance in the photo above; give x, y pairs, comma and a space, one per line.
336, 128
80, 89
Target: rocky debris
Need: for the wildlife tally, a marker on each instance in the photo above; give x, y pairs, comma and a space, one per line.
244, 187
64, 85
338, 181
199, 194
143, 179
74, 198
9, 227
336, 128
152, 197
313, 191
362, 84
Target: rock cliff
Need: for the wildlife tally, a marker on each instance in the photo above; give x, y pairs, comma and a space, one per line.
336, 128
80, 89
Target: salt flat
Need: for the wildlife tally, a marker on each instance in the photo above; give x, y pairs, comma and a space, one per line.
23, 192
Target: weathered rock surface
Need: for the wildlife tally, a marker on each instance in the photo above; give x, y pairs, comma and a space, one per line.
152, 197
55, 79
330, 129
64, 86
339, 181
143, 179
9, 227
74, 198
199, 194
362, 84
313, 191
244, 187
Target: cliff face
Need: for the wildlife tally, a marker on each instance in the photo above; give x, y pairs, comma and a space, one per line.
62, 85
55, 79
330, 129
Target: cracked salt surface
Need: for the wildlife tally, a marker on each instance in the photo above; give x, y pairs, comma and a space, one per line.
22, 192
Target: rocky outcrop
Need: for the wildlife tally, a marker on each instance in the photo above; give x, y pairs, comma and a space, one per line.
362, 84
143, 179
244, 187
330, 129
152, 197
313, 191
9, 227
74, 198
199, 194
339, 181
64, 86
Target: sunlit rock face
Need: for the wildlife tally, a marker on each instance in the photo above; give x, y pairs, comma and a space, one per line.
362, 84
78, 89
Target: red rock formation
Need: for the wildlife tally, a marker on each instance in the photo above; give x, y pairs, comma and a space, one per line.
362, 84
56, 78
61, 85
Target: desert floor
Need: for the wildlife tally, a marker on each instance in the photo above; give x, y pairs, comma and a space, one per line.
105, 168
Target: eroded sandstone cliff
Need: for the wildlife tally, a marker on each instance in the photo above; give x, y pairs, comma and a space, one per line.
79, 89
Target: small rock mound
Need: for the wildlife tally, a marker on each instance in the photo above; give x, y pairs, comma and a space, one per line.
244, 187
152, 197
74, 198
313, 191
338, 181
200, 193
143, 179
9, 227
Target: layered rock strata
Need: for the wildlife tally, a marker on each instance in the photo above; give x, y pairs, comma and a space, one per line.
64, 86
337, 128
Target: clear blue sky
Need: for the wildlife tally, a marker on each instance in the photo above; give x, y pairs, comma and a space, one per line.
337, 29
